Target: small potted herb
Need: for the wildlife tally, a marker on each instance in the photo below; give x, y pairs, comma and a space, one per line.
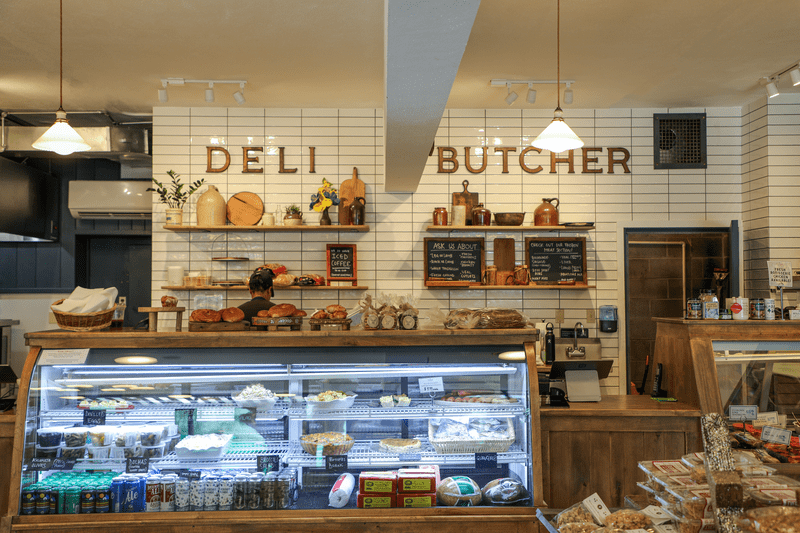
174, 196
293, 216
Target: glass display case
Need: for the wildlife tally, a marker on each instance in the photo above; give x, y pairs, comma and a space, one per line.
131, 427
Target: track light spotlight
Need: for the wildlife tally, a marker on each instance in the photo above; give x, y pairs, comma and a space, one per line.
512, 96
568, 94
531, 96
239, 95
210, 93
162, 93
772, 89
795, 75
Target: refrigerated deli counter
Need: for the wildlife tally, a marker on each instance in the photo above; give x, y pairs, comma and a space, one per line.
243, 431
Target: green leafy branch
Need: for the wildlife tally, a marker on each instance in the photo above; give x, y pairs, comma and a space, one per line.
174, 195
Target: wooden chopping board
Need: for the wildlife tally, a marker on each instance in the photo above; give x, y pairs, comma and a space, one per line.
349, 190
242, 325
504, 254
245, 209
466, 198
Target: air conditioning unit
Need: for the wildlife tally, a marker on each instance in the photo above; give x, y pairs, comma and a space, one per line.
110, 200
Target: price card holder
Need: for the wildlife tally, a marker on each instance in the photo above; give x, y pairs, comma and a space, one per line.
63, 464
94, 417
597, 507
335, 462
776, 435
40, 464
409, 457
267, 463
137, 465
192, 474
486, 460
743, 412
431, 385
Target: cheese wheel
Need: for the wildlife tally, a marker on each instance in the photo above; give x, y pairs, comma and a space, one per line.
232, 314
458, 490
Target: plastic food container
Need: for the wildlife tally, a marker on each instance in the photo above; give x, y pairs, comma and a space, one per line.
99, 452
73, 452
125, 452
151, 435
125, 437
770, 520
102, 435
49, 437
153, 451
47, 452
74, 437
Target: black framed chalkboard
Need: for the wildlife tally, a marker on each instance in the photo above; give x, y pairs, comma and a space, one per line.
342, 262
454, 261
556, 260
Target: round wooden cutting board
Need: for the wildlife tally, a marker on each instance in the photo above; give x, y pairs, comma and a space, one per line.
245, 209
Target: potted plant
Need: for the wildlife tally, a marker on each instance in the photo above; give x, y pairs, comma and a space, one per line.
175, 196
293, 216
325, 197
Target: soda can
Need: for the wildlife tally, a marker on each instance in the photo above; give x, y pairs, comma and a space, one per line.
88, 496
769, 308
167, 493
28, 505
73, 503
240, 492
153, 494
211, 497
102, 499
117, 494
295, 485
130, 498
225, 493
61, 493
283, 491
253, 493
182, 494
42, 500
268, 487
141, 505
197, 494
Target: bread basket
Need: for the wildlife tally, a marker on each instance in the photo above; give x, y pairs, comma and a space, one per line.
323, 444
83, 321
484, 445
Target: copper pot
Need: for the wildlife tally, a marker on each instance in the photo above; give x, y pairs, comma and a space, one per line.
547, 213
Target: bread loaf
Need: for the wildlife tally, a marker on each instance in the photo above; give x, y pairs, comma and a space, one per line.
232, 314
333, 308
205, 315
168, 301
339, 315
264, 313
282, 310
320, 314
299, 312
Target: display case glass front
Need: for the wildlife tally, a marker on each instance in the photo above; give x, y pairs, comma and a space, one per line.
274, 428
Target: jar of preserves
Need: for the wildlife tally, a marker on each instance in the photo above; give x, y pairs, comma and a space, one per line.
440, 216
481, 216
694, 309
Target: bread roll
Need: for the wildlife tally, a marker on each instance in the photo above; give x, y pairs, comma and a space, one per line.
320, 314
168, 301
458, 490
205, 315
232, 314
282, 310
299, 312
339, 315
264, 313
334, 308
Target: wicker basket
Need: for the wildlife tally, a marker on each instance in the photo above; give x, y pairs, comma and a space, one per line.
83, 321
472, 446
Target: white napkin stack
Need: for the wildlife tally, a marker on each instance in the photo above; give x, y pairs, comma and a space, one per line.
88, 300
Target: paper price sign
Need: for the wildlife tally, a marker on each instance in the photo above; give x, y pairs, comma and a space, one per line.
780, 273
776, 435
743, 412
428, 385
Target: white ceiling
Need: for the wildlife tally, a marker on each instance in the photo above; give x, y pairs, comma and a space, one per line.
330, 53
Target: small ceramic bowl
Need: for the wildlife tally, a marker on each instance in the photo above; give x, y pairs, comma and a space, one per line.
509, 219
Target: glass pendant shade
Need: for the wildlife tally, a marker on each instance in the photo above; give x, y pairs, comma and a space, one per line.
557, 137
61, 138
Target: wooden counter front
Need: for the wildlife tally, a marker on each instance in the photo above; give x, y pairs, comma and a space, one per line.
595, 447
7, 420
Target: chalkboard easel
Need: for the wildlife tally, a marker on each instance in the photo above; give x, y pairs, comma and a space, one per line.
557, 260
342, 263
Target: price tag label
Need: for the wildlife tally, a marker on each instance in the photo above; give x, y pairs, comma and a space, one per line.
766, 418
137, 465
743, 412
656, 514
597, 507
486, 460
409, 457
40, 464
94, 417
335, 462
776, 435
192, 474
267, 463
428, 385
63, 357
63, 464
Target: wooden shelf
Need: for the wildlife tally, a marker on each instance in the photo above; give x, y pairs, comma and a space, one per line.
560, 227
271, 229
244, 288
514, 287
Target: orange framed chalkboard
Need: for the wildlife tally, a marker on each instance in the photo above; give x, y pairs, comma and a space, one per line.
342, 262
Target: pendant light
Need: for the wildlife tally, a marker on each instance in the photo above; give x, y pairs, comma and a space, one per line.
558, 137
60, 137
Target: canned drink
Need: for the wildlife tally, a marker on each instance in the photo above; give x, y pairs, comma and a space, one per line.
117, 494
283, 492
694, 309
88, 496
73, 503
42, 500
211, 497
758, 309
61, 493
295, 486
130, 498
28, 504
225, 493
182, 494
53, 489
769, 308
197, 494
102, 499
153, 494
240, 492
167, 493
268, 485
141, 505
253, 493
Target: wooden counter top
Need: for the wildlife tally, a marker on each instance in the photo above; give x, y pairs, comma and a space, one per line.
354, 337
621, 407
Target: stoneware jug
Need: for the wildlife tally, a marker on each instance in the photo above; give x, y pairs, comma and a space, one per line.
547, 213
211, 208
357, 211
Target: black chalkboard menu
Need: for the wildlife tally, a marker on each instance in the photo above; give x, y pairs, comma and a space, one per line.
342, 262
557, 260
454, 262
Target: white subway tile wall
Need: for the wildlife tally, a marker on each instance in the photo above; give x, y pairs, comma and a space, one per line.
390, 255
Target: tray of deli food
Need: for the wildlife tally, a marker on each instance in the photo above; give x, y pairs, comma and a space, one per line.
395, 400
255, 396
475, 396
471, 434
331, 399
103, 404
208, 446
326, 443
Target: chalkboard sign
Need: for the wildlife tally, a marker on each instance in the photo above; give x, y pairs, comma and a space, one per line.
342, 262
94, 417
335, 462
267, 463
486, 460
137, 465
557, 260
454, 262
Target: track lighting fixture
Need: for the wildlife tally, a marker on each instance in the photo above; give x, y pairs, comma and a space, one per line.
770, 83
531, 96
512, 96
208, 93
795, 75
772, 89
568, 94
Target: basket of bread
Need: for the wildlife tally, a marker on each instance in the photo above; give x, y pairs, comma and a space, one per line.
326, 443
280, 315
332, 315
471, 435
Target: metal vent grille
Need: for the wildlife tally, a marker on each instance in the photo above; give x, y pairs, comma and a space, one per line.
679, 140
